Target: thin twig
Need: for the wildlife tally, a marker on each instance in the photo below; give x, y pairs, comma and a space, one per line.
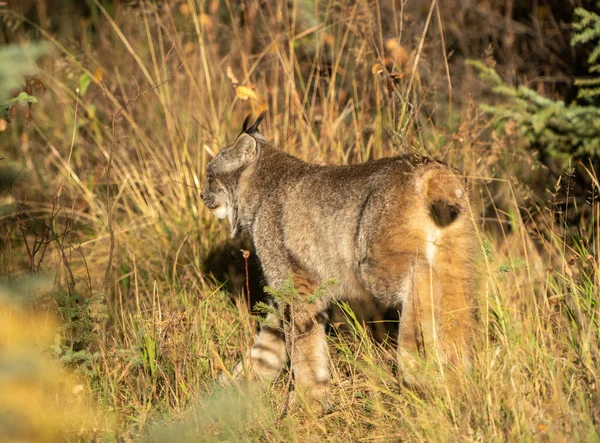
109, 210
246, 254
109, 213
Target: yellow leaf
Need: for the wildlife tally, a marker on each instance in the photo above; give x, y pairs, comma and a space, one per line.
377, 68
184, 9
391, 44
3, 125
189, 48
244, 93
205, 20
99, 73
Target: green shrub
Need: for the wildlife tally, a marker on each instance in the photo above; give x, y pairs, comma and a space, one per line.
563, 134
15, 63
587, 29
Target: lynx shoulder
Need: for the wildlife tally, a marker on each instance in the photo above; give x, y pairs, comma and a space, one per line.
397, 232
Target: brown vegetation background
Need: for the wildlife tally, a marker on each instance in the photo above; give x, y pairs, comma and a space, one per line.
104, 238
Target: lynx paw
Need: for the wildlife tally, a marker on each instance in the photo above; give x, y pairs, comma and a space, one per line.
255, 370
410, 370
317, 400
237, 374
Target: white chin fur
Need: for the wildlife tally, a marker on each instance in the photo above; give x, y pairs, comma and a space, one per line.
220, 212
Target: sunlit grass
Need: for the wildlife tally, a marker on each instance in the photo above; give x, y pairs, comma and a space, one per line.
153, 90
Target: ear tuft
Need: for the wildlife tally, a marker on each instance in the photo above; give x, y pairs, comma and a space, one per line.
247, 129
246, 123
254, 128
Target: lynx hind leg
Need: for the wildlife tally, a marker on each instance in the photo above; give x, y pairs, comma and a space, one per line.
419, 340
307, 344
416, 292
437, 317
268, 355
456, 273
435, 325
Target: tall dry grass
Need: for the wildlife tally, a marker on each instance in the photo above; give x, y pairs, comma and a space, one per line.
112, 166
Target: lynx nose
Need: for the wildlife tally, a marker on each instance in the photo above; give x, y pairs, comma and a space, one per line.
207, 198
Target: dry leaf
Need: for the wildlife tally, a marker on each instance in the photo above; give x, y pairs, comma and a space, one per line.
205, 20
397, 52
184, 9
395, 75
377, 68
189, 48
231, 76
3, 125
99, 73
244, 93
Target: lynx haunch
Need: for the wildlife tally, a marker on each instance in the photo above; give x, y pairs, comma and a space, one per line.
395, 233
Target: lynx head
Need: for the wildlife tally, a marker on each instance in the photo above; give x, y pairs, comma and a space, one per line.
224, 171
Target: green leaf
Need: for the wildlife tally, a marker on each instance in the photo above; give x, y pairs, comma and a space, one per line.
84, 83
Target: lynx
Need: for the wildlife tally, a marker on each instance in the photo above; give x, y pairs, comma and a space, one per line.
396, 232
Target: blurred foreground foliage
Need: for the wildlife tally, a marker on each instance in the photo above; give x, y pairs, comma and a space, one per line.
39, 399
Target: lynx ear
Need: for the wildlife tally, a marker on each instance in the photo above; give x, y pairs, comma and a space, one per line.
246, 146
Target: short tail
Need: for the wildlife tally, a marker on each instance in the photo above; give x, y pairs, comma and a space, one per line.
446, 194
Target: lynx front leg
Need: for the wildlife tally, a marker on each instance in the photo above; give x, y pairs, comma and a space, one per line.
307, 344
268, 355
